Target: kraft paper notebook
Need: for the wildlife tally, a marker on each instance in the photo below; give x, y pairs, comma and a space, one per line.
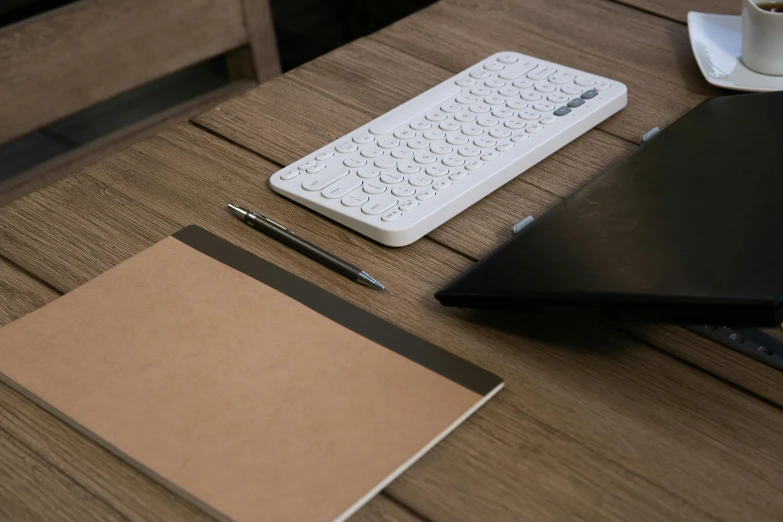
254, 393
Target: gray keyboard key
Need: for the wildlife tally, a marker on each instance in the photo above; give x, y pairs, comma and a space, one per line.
562, 111
592, 93
576, 102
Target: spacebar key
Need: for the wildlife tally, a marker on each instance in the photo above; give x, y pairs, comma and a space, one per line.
412, 108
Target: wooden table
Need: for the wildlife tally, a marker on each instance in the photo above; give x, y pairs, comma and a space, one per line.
597, 421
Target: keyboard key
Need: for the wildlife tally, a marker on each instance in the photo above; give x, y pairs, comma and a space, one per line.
441, 149
307, 165
449, 126
494, 83
503, 147
368, 173
544, 106
436, 171
585, 81
576, 102
545, 87
519, 137
562, 111
571, 89
516, 104
472, 130
531, 96
480, 91
388, 143
390, 178
457, 139
363, 139
372, 152
469, 152
379, 205
479, 108
489, 156
486, 121
425, 195
484, 142
324, 156
435, 116
316, 168
518, 69
501, 112
409, 204
346, 148
403, 191
587, 95
434, 135
465, 117
542, 72
418, 144
494, 100
508, 91
404, 134
466, 99
547, 120
522, 83
558, 98
500, 133
420, 180
402, 153
323, 180
450, 107
515, 124
391, 216
354, 162
408, 168
341, 188
474, 165
355, 200
384, 163
420, 125
494, 66
291, 174
533, 128
374, 187
562, 77
480, 74
602, 85
442, 184
425, 159
508, 58
453, 161
466, 82
529, 115
458, 175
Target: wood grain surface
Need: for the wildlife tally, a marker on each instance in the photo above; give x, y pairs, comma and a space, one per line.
678, 10
591, 424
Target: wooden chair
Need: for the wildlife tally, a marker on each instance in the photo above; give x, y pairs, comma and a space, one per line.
71, 58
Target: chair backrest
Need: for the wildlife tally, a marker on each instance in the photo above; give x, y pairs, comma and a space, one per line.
70, 58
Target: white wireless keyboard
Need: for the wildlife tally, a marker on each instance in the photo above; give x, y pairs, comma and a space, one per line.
412, 169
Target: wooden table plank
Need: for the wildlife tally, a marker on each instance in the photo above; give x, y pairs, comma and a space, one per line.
591, 422
651, 55
678, 10
20, 294
291, 116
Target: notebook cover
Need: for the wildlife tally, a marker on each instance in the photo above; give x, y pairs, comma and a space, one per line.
254, 393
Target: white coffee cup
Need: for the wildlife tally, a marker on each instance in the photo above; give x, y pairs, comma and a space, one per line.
762, 37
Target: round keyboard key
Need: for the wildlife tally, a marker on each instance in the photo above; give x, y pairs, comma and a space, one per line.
529, 115
602, 85
587, 95
494, 83
403, 191
584, 81
480, 74
436, 116
458, 175
363, 139
494, 100
500, 133
441, 149
425, 195
558, 98
494, 66
508, 58
474, 165
484, 142
418, 144
402, 153
372, 152
316, 168
449, 126
519, 137
324, 156
354, 162
378, 206
486, 121
522, 83
436, 171
546, 87
489, 156
547, 120
457, 139
434, 134
469, 152
420, 180
516, 104
466, 99
472, 130
409, 204
346, 148
502, 112
508, 91
576, 102
305, 166
571, 89
531, 96
383, 163
562, 77
442, 184
425, 158
453, 161
503, 147
374, 187
465, 117
450, 107
354, 200
391, 216
420, 125
368, 173
479, 108
480, 91
404, 134
390, 178
466, 82
408, 168
515, 124
291, 174
533, 128
544, 106
388, 143
562, 111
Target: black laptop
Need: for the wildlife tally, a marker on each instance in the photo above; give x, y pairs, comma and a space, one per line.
687, 229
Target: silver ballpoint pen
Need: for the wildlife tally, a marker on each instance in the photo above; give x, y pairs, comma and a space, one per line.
276, 231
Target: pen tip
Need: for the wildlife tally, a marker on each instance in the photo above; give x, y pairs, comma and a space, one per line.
367, 280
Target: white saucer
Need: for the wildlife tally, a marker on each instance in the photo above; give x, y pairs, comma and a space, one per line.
717, 45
